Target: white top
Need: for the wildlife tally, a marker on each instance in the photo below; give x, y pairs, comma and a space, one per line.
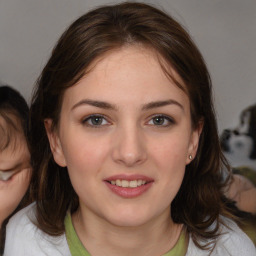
23, 238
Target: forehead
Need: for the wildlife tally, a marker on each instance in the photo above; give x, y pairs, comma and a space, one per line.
129, 71
10, 130
16, 153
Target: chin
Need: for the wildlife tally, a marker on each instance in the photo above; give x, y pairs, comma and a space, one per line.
131, 222
129, 218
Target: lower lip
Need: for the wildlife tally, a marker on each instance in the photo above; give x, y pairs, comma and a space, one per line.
129, 192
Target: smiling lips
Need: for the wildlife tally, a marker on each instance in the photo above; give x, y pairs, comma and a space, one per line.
129, 186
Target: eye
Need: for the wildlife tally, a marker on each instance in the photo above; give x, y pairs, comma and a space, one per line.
161, 120
95, 120
4, 176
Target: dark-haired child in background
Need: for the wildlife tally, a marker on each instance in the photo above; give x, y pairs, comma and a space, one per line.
15, 169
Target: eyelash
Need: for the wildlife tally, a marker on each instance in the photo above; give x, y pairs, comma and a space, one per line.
90, 118
170, 121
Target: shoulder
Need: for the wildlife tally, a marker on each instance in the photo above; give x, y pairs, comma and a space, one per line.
232, 241
23, 238
22, 218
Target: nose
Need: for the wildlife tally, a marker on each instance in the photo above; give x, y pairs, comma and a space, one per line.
129, 147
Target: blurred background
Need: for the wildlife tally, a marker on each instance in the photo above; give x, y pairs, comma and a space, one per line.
224, 30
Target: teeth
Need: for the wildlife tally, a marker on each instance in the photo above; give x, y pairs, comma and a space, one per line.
128, 184
133, 184
125, 183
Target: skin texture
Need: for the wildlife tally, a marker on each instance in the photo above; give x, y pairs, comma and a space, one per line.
15, 157
127, 142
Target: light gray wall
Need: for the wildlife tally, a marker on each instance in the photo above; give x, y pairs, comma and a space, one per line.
224, 30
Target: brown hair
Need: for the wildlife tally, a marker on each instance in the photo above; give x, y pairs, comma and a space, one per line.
13, 111
199, 202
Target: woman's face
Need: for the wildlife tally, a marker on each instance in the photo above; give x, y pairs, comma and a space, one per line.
14, 158
125, 136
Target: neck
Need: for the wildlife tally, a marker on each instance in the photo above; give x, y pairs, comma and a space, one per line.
100, 237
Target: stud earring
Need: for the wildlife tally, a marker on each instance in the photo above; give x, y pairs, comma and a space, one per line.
190, 157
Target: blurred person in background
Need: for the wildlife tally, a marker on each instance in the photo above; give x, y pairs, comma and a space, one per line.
15, 169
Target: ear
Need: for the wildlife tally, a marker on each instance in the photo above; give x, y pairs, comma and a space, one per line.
55, 144
194, 141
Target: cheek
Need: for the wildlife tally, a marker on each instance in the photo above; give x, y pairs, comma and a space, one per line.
85, 155
21, 183
170, 160
170, 152
13, 191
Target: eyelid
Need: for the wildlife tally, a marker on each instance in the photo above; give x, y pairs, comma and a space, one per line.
167, 117
85, 119
7, 175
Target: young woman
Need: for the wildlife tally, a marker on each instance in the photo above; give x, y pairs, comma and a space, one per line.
15, 170
125, 146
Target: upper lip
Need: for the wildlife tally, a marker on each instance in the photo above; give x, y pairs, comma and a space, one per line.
129, 177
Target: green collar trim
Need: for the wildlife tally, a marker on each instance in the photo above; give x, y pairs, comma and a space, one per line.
180, 248
77, 249
75, 246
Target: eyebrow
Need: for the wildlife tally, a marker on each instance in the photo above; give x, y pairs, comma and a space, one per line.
95, 103
106, 105
158, 104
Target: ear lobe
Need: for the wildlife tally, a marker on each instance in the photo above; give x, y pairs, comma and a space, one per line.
55, 144
194, 142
